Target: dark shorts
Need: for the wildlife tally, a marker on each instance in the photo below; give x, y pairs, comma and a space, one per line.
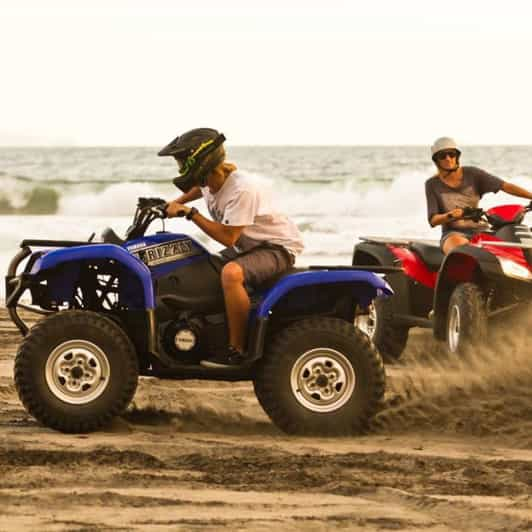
261, 263
468, 233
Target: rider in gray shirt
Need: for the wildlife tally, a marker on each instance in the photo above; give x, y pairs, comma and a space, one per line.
455, 187
442, 197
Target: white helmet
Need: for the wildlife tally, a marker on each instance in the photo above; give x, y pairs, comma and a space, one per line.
444, 143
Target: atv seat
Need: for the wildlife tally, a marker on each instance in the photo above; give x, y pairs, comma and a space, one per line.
214, 301
219, 261
266, 285
431, 255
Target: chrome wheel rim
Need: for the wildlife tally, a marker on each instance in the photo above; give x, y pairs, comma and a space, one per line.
454, 329
367, 323
322, 380
77, 372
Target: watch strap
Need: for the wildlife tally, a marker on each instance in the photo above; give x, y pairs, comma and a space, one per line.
191, 213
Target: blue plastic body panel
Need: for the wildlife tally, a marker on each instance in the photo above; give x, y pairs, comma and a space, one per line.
366, 285
375, 286
123, 255
161, 238
100, 251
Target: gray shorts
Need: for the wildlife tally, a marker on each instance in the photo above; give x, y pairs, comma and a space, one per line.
468, 233
261, 263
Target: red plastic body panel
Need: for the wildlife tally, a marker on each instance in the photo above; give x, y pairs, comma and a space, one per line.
515, 254
461, 268
508, 213
414, 267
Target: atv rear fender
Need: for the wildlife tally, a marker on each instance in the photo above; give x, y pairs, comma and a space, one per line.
370, 253
463, 265
361, 286
366, 286
366, 253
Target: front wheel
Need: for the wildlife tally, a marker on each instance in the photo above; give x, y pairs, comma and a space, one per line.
467, 319
75, 371
320, 377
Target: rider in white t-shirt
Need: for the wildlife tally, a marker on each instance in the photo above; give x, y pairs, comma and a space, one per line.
240, 202
260, 241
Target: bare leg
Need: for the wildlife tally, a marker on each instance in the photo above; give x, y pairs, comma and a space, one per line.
454, 241
237, 303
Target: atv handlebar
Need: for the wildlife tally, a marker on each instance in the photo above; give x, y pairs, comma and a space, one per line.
155, 206
144, 203
476, 215
472, 214
148, 210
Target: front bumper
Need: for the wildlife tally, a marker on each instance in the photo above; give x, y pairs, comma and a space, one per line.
15, 286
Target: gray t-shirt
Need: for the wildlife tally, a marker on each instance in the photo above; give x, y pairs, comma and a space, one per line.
442, 198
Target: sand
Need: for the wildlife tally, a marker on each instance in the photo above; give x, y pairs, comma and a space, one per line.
451, 450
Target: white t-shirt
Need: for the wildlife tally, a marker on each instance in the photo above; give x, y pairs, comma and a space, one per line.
241, 202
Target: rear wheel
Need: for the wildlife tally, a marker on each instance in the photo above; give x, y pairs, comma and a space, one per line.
320, 377
75, 371
467, 319
389, 338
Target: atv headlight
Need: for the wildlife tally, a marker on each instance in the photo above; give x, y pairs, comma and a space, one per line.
512, 269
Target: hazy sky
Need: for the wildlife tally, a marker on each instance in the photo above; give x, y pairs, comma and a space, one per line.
265, 72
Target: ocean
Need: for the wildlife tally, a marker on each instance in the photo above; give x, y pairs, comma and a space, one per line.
334, 194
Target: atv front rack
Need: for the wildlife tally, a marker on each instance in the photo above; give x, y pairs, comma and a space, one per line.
56, 243
15, 286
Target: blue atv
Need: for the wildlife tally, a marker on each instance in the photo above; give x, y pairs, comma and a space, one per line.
153, 305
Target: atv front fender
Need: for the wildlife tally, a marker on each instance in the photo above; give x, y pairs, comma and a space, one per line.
111, 252
463, 265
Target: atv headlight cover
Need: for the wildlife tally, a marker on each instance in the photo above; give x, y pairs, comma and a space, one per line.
512, 269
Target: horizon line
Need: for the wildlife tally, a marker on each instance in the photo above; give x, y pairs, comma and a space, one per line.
156, 146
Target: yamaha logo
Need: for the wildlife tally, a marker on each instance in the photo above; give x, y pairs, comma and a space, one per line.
185, 340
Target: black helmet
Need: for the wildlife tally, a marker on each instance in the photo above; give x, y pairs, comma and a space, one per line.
198, 152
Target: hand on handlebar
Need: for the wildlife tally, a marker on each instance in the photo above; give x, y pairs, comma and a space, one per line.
456, 214
469, 213
174, 208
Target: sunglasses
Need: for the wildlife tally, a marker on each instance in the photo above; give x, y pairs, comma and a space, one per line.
444, 154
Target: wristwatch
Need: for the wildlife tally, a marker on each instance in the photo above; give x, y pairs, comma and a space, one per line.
191, 213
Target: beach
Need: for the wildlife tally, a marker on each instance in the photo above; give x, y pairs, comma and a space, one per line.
355, 122
451, 450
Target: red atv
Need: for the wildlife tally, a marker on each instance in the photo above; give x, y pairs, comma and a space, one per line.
454, 295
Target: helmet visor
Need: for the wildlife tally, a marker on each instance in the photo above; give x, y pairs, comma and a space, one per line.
190, 174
